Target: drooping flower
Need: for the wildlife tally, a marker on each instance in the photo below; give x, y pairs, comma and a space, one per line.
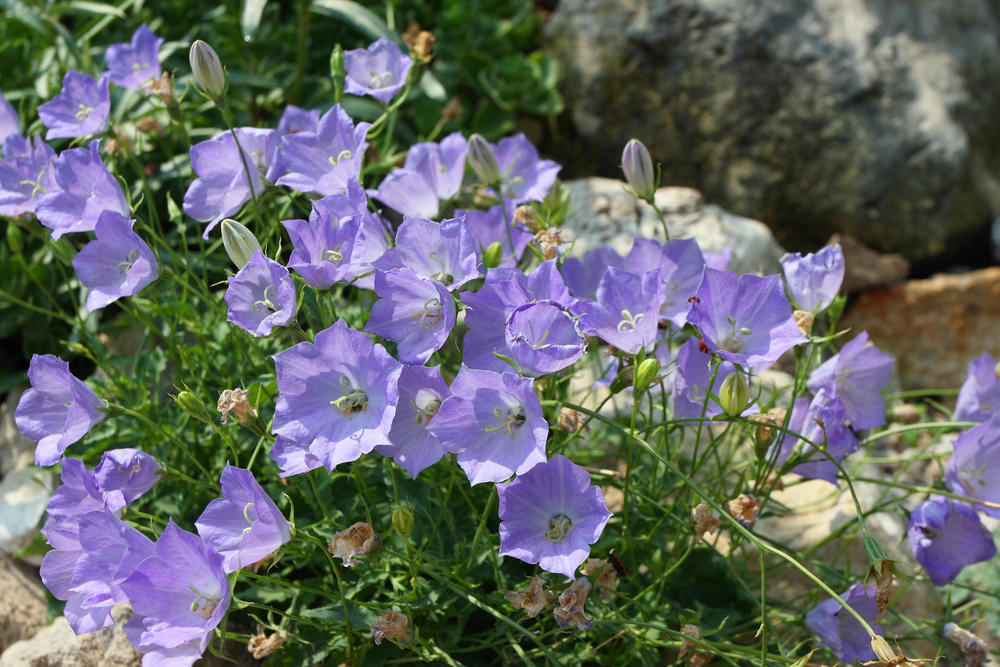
822, 421
86, 190
379, 71
57, 411
974, 467
80, 109
543, 337
261, 296
416, 313
841, 632
744, 319
125, 474
421, 392
626, 312
856, 375
488, 227
118, 263
493, 422
444, 251
244, 525
27, 172
681, 266
10, 123
431, 174
551, 515
325, 160
814, 279
945, 536
979, 397
355, 540
336, 397
178, 596
133, 64
222, 185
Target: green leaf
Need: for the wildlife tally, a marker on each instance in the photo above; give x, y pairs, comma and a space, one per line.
87, 7
357, 16
25, 14
250, 17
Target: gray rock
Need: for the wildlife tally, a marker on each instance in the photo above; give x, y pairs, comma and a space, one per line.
23, 610
603, 213
16, 451
24, 495
877, 118
58, 646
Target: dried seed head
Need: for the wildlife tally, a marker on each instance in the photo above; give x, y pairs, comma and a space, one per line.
391, 626
237, 402
571, 603
549, 242
524, 215
607, 577
804, 319
358, 539
704, 520
533, 600
260, 645
975, 650
420, 42
744, 508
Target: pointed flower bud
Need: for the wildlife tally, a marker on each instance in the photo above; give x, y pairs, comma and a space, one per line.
338, 71
638, 168
239, 241
192, 405
734, 395
492, 255
483, 160
645, 374
402, 520
207, 69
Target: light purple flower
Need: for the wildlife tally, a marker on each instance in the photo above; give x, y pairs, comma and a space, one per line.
293, 120
78, 493
57, 411
432, 173
421, 392
81, 108
245, 525
133, 64
261, 296
945, 536
379, 71
125, 474
974, 467
744, 319
85, 190
814, 279
583, 276
524, 177
543, 337
292, 458
551, 515
178, 596
117, 264
415, 312
979, 397
822, 421
27, 171
493, 422
681, 266
445, 251
10, 123
222, 187
840, 631
856, 375
691, 382
325, 160
626, 312
488, 227
336, 397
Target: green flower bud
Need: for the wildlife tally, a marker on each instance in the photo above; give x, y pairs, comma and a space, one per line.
192, 405
638, 168
483, 161
239, 241
207, 69
402, 520
493, 255
645, 374
734, 394
337, 70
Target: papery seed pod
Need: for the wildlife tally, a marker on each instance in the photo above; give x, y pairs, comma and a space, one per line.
638, 168
207, 69
239, 241
483, 160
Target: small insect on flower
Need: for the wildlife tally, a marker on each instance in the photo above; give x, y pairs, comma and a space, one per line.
702, 346
616, 563
693, 299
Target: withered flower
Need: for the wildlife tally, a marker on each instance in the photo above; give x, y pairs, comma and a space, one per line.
358, 539
260, 645
391, 626
236, 401
532, 600
571, 603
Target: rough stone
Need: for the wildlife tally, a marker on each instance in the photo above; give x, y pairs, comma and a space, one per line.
16, 451
933, 327
603, 213
23, 610
865, 268
877, 118
24, 494
58, 646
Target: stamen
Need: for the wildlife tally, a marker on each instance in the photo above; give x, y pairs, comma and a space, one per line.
266, 303
424, 414
345, 154
210, 603
353, 400
379, 79
333, 255
509, 420
559, 526
441, 276
431, 314
126, 264
83, 111
629, 321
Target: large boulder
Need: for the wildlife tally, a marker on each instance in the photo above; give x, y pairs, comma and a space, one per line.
877, 118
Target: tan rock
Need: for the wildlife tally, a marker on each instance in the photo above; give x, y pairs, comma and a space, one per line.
58, 646
865, 268
23, 610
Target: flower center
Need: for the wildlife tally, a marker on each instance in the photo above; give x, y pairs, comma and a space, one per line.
431, 314
249, 515
559, 526
266, 303
425, 413
508, 420
733, 342
333, 255
126, 264
38, 187
345, 154
379, 79
204, 605
83, 111
929, 532
353, 400
138, 66
441, 276
629, 322
971, 477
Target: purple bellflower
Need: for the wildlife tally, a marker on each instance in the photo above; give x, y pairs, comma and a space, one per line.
293, 120
325, 160
10, 123
178, 596
524, 177
681, 267
125, 474
445, 251
415, 312
245, 525
945, 536
118, 263
261, 296
979, 397
493, 422
292, 458
57, 411
974, 467
488, 227
543, 337
222, 186
814, 279
583, 276
823, 421
80, 109
133, 64
85, 190
841, 632
27, 171
78, 493
379, 71
551, 515
744, 319
692, 382
856, 375
626, 312
421, 392
431, 174
336, 397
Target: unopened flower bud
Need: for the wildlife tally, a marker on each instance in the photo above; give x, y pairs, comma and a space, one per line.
207, 69
402, 520
645, 374
734, 394
193, 405
638, 168
239, 241
483, 160
492, 255
804, 319
337, 70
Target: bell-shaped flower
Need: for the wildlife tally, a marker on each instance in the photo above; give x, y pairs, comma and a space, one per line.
133, 64
125, 474
543, 337
814, 279
681, 266
626, 312
379, 71
979, 397
245, 525
261, 296
78, 493
584, 275
421, 392
856, 375
523, 176
325, 160
415, 312
27, 172
293, 120
550, 515
431, 174
493, 422
838, 630
443, 251
488, 227
974, 467
80, 109
945, 536
57, 410
823, 424
118, 263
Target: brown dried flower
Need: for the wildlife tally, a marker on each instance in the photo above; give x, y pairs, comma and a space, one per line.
607, 577
391, 626
571, 603
570, 420
260, 645
692, 631
356, 540
162, 87
420, 42
524, 215
744, 508
549, 241
149, 125
975, 650
704, 520
237, 402
804, 319
532, 600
